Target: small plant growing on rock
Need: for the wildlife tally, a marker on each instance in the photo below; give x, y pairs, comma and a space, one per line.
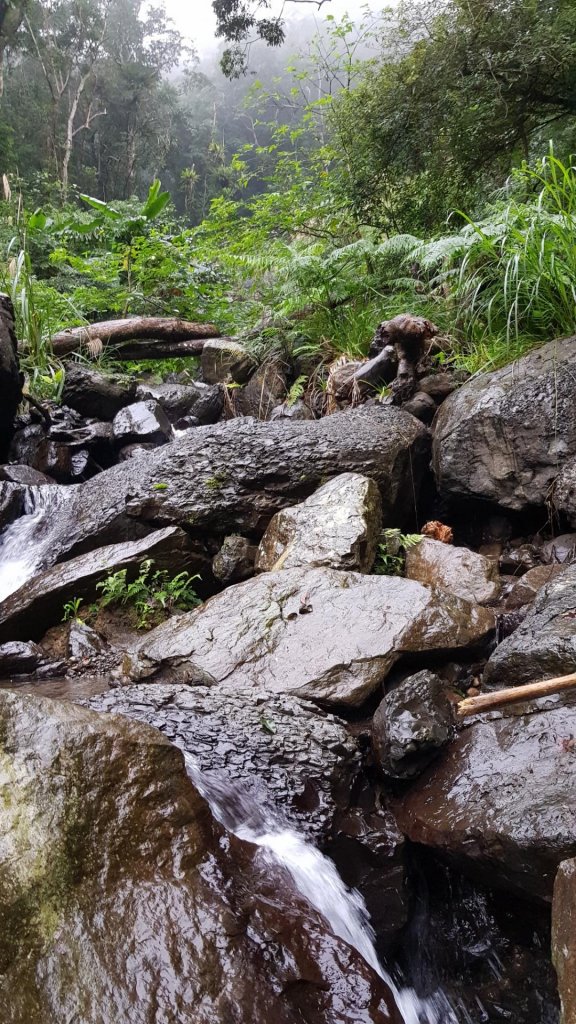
153, 595
71, 609
391, 553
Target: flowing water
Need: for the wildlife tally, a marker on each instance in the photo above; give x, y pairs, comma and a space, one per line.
21, 548
316, 878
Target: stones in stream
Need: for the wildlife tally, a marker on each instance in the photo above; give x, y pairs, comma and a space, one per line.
321, 634
122, 899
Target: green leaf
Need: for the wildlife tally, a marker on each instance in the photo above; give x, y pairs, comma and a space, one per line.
102, 208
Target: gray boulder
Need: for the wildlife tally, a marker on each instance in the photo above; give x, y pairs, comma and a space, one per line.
544, 645
18, 657
234, 476
338, 526
505, 436
142, 422
235, 559
564, 493
460, 571
38, 604
202, 402
224, 359
321, 634
122, 900
410, 726
500, 799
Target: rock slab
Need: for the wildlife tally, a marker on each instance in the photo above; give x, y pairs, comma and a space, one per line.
320, 634
458, 570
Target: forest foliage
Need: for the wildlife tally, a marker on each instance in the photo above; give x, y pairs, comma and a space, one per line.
416, 158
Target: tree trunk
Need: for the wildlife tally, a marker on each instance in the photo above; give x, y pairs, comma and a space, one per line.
10, 377
140, 328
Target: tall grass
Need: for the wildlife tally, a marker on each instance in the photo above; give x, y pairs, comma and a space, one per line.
510, 278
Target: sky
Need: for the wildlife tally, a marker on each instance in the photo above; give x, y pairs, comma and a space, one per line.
196, 21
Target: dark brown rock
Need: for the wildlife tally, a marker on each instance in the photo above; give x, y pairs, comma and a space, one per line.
141, 422
10, 377
264, 392
460, 571
18, 657
202, 402
439, 385
320, 634
519, 423
525, 589
544, 644
410, 726
500, 799
24, 475
564, 938
97, 394
122, 900
224, 359
564, 492
235, 560
38, 604
422, 406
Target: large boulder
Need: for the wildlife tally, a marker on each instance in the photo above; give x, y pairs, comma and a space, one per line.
122, 900
38, 604
321, 634
460, 571
564, 938
504, 436
10, 378
338, 526
234, 476
275, 745
97, 394
224, 359
500, 799
544, 645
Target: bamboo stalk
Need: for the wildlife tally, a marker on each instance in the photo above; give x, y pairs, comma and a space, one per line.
514, 695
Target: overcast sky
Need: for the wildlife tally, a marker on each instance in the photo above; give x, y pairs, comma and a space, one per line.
195, 18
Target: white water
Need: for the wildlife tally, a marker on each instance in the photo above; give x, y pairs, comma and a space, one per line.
316, 879
21, 550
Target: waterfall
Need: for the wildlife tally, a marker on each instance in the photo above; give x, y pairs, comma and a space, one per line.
21, 548
315, 877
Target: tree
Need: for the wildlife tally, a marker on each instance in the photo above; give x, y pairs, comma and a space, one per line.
241, 22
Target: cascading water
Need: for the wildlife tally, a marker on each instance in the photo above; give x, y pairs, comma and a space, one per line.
316, 878
21, 548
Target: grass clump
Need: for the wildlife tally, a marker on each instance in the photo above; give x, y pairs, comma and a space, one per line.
153, 595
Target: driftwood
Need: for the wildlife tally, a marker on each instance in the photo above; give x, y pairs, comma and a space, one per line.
140, 328
514, 695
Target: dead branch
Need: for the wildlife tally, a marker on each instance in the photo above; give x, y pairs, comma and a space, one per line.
140, 328
514, 695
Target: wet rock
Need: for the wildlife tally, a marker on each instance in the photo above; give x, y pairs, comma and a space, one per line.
564, 938
243, 472
500, 799
422, 406
439, 385
235, 560
10, 378
519, 558
561, 549
368, 850
64, 462
24, 475
564, 493
457, 570
264, 392
84, 642
96, 394
320, 634
38, 604
520, 423
132, 451
338, 526
272, 744
381, 369
295, 411
110, 858
544, 645
180, 401
142, 421
12, 498
17, 657
410, 726
525, 589
224, 359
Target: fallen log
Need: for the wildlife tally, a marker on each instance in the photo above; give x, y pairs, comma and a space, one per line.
514, 695
139, 328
